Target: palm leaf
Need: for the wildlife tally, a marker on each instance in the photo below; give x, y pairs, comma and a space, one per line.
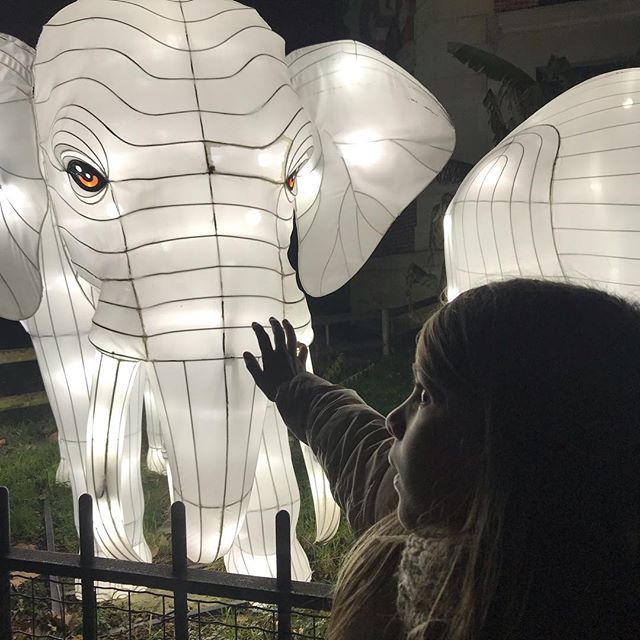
496, 118
493, 66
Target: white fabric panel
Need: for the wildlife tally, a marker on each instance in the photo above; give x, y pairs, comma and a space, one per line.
113, 459
59, 331
559, 198
275, 488
23, 199
156, 453
384, 137
213, 430
177, 144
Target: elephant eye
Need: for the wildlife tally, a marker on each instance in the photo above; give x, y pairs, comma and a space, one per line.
86, 177
292, 184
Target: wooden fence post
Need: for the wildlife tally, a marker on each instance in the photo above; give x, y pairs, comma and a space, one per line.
386, 332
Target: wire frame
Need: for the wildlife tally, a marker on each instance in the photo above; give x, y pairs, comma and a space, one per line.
558, 198
153, 163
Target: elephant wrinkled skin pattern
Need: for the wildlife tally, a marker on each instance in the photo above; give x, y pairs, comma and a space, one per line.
154, 199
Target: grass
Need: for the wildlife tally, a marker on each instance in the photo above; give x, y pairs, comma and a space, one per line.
29, 458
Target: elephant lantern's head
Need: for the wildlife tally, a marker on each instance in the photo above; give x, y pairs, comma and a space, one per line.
178, 144
175, 145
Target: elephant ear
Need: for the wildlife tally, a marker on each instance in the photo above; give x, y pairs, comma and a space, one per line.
23, 195
382, 139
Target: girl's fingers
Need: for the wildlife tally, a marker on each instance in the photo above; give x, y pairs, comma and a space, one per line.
263, 338
252, 364
278, 335
292, 341
303, 352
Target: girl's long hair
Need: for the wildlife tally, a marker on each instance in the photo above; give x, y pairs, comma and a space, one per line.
368, 569
552, 537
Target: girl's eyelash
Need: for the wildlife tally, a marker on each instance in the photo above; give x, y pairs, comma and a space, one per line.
424, 397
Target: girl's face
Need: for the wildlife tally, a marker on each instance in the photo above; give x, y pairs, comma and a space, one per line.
436, 456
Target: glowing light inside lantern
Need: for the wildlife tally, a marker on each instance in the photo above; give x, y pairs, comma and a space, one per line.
362, 148
350, 68
253, 217
559, 205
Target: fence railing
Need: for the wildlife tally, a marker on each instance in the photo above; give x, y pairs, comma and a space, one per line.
178, 579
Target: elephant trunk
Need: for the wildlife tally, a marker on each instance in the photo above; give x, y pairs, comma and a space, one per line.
185, 309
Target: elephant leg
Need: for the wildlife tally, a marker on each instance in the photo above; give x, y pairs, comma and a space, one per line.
275, 488
131, 482
156, 454
59, 332
113, 460
326, 510
212, 427
66, 365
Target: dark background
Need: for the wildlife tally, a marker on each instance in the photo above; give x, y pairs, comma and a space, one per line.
299, 22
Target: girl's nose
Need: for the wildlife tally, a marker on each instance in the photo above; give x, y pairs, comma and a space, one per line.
395, 422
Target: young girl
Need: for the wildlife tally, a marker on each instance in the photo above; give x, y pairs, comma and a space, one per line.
502, 498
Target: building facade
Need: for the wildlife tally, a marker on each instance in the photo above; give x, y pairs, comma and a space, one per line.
594, 35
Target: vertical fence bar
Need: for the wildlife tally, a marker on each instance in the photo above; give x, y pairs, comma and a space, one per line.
87, 555
179, 561
5, 575
55, 588
386, 332
283, 573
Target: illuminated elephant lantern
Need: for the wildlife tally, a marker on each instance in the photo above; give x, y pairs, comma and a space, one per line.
174, 147
558, 198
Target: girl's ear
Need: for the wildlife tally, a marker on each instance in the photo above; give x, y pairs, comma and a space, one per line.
23, 195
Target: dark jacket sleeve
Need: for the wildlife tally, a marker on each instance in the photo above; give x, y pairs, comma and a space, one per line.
349, 439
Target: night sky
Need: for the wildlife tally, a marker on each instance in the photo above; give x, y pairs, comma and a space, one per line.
299, 22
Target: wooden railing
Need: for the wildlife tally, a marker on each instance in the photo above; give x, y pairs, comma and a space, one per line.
323, 324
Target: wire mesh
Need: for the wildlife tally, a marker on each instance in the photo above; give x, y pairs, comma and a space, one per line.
135, 615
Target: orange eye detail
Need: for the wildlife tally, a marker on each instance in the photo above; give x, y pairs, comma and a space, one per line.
88, 178
89, 183
291, 183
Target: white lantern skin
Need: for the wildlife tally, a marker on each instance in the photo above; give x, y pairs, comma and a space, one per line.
559, 198
177, 146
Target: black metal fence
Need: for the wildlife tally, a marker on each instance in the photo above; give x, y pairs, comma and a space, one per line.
187, 602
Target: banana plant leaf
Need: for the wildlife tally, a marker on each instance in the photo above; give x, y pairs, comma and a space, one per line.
493, 66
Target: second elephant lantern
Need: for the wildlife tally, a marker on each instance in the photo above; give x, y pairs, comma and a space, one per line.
559, 198
153, 161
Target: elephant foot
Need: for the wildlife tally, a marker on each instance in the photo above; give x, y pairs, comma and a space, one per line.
106, 591
157, 460
246, 562
63, 473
